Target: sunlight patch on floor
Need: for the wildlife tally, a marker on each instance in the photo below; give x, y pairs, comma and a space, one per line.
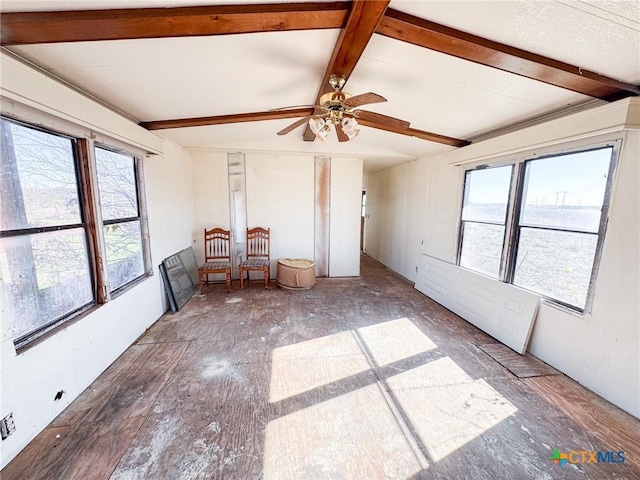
381, 430
353, 435
445, 407
395, 340
304, 366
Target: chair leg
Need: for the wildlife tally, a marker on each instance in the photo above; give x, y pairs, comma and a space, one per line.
200, 282
266, 278
241, 278
228, 281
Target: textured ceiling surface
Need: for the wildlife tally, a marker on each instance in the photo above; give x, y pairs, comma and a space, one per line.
169, 78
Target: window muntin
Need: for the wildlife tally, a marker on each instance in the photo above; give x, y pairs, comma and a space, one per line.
43, 241
557, 226
120, 216
484, 213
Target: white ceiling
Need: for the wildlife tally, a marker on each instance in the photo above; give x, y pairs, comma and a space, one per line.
158, 79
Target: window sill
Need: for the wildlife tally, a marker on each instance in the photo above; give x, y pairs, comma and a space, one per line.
133, 283
53, 330
563, 308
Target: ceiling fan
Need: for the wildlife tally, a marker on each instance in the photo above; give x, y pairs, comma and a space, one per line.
337, 111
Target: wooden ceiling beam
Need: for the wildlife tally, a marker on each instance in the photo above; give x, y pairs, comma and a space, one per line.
223, 119
363, 20
405, 27
414, 132
120, 24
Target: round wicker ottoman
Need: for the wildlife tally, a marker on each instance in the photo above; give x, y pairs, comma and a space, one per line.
296, 274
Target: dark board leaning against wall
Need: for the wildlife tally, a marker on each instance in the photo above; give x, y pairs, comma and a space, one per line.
180, 275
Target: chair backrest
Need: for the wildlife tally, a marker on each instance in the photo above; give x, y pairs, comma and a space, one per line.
217, 244
258, 242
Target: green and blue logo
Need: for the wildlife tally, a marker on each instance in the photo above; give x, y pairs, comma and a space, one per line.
584, 456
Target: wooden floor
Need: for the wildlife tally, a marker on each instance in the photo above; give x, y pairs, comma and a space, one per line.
360, 378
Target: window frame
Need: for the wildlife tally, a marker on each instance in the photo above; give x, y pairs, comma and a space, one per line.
514, 208
84, 143
461, 221
25, 232
141, 217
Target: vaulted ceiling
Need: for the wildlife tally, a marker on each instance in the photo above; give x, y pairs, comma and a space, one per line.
212, 75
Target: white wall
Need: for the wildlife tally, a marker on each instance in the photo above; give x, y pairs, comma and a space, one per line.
170, 204
395, 215
600, 349
344, 220
211, 196
72, 357
385, 215
280, 196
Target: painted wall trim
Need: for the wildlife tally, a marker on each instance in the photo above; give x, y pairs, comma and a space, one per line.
612, 117
25, 84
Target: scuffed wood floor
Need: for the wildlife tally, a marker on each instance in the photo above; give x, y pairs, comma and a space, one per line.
360, 378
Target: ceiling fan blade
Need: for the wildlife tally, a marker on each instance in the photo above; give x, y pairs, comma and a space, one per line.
342, 137
284, 109
364, 99
225, 119
380, 118
413, 132
294, 125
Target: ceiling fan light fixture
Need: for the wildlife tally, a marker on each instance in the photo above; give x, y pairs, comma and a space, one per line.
350, 127
316, 124
320, 126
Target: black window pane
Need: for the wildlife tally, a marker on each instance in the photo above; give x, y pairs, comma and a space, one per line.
117, 184
482, 248
566, 191
38, 186
46, 276
486, 194
124, 253
556, 264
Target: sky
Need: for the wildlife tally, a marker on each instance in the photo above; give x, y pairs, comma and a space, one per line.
572, 179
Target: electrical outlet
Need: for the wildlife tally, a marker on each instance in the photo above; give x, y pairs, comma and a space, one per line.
7, 427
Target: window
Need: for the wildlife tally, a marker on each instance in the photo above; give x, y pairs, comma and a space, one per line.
120, 216
558, 218
484, 216
49, 247
559, 221
43, 249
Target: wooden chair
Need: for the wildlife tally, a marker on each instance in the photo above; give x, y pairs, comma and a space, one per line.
217, 256
257, 254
